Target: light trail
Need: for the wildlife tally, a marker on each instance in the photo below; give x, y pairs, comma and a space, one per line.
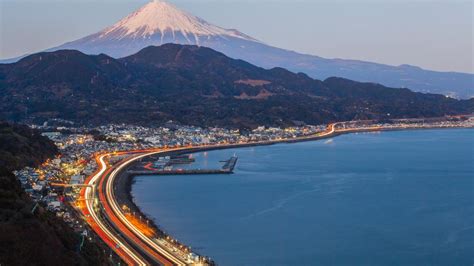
118, 211
129, 256
121, 227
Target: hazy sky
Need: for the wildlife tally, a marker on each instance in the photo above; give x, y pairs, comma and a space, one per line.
432, 34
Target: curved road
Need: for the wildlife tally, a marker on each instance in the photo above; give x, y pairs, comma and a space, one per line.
110, 223
96, 221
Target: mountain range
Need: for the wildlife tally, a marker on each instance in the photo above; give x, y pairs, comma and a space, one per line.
160, 22
198, 86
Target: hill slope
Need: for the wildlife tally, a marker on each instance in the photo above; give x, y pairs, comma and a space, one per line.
26, 238
195, 85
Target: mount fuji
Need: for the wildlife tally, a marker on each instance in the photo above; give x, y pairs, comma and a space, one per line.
159, 22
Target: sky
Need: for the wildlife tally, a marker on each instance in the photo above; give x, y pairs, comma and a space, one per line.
435, 35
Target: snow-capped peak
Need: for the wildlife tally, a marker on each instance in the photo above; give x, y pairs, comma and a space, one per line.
161, 17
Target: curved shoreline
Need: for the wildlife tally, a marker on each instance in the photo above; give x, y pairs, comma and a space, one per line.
123, 183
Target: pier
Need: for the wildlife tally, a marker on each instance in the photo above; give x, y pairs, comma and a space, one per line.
227, 168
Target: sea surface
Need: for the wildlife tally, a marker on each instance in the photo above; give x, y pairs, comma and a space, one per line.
391, 198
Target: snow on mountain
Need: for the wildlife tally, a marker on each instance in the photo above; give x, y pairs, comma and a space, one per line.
156, 23
161, 17
159, 22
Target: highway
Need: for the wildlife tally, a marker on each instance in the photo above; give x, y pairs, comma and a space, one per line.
97, 223
155, 251
110, 223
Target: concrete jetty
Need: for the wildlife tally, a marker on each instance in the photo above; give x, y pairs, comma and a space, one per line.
228, 168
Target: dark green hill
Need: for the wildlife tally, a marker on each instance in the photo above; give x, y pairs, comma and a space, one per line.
26, 238
196, 85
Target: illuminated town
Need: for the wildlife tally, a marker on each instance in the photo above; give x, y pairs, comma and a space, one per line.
63, 184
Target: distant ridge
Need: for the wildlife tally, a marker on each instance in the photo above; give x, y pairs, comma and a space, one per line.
159, 22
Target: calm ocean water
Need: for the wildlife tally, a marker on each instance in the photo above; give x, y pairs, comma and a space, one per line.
392, 198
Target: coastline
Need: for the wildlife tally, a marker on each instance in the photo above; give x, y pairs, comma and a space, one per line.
125, 181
